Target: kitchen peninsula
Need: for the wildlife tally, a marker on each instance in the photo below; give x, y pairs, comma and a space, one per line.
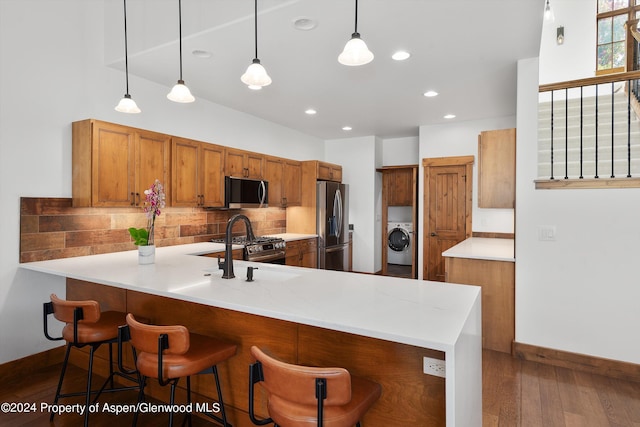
375, 326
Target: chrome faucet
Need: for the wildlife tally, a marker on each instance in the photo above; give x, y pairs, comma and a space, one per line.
227, 266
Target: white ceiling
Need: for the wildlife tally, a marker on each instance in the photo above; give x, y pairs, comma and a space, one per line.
464, 49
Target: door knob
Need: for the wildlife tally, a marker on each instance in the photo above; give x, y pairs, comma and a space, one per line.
433, 234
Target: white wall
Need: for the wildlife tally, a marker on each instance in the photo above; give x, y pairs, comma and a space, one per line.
360, 157
52, 75
579, 293
400, 151
461, 139
576, 58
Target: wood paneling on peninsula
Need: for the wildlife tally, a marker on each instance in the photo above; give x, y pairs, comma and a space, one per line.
51, 228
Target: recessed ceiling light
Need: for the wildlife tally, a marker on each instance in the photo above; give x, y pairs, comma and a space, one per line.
304, 24
401, 55
430, 93
310, 111
201, 53
450, 116
347, 128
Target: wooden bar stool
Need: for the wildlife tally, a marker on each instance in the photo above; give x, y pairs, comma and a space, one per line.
86, 325
303, 396
169, 353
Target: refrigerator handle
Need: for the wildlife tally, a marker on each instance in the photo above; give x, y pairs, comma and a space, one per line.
338, 202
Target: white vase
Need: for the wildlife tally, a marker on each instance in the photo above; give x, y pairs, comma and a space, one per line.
146, 254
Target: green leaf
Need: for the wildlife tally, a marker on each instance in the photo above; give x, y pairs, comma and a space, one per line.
140, 236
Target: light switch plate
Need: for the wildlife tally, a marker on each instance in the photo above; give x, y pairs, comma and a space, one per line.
547, 233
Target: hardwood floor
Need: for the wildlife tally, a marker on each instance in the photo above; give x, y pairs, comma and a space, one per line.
515, 393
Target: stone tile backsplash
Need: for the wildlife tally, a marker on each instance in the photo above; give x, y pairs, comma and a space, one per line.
51, 228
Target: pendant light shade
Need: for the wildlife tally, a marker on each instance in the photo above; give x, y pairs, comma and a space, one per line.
355, 51
548, 13
126, 104
180, 92
256, 76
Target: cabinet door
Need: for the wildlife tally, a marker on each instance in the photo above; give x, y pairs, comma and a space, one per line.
497, 169
185, 182
292, 183
113, 166
292, 254
212, 171
152, 162
400, 187
324, 171
273, 171
309, 253
234, 163
254, 164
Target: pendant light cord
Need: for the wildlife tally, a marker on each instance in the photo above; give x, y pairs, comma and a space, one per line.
180, 31
356, 29
126, 53
255, 27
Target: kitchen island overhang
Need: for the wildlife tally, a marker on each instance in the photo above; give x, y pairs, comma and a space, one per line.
428, 315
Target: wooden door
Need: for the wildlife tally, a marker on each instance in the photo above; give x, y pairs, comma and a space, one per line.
292, 184
273, 175
152, 162
212, 175
113, 180
185, 183
447, 212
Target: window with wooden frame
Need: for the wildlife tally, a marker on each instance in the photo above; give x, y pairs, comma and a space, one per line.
613, 46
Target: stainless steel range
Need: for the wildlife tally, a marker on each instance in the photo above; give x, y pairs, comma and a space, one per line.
261, 249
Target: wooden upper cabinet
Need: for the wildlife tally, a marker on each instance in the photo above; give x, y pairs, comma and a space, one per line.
329, 172
292, 184
244, 164
400, 187
197, 173
112, 165
285, 181
497, 169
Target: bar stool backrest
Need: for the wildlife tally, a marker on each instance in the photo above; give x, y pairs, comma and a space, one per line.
145, 337
63, 310
297, 384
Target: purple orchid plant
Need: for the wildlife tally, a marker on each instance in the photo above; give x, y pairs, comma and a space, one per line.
154, 203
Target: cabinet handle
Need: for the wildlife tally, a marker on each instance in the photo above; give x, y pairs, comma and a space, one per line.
133, 198
137, 199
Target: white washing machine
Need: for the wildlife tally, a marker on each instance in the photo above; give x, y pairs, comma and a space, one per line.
399, 243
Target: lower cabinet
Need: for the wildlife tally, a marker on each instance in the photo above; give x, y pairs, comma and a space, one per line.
497, 279
302, 253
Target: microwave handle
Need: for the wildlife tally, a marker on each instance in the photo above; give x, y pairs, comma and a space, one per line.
262, 193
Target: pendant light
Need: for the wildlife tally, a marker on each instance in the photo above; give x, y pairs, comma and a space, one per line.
548, 13
126, 104
256, 76
180, 92
355, 51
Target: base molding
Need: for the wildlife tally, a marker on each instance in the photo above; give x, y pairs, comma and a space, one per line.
580, 362
28, 364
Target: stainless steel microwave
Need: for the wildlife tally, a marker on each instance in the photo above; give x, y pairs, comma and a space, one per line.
245, 193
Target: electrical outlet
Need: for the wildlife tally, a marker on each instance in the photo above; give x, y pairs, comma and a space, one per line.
434, 367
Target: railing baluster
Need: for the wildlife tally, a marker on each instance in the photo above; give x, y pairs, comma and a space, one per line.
596, 175
629, 129
581, 127
613, 104
566, 133
551, 135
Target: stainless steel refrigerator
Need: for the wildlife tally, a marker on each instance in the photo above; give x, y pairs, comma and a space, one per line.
332, 225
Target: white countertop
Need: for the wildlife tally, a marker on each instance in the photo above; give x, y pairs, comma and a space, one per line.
420, 313
483, 248
295, 236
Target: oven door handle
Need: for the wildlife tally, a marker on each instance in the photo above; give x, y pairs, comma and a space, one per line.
269, 257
